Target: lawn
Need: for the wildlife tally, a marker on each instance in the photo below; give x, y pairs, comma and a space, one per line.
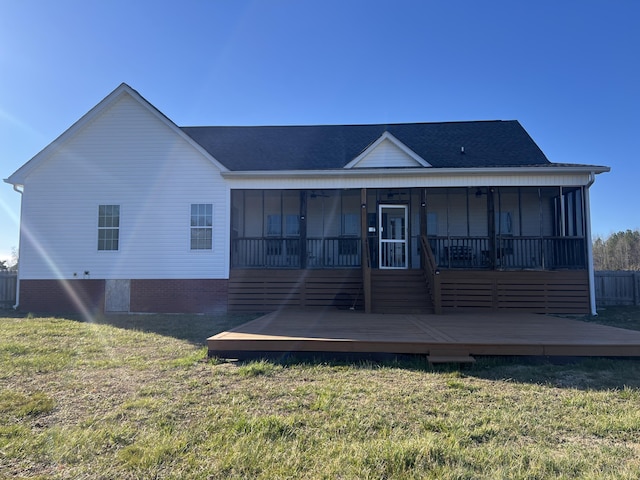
133, 397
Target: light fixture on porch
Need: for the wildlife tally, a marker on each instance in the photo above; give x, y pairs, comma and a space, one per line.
478, 192
363, 206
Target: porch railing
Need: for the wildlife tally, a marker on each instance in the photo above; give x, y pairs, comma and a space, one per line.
279, 252
517, 253
547, 253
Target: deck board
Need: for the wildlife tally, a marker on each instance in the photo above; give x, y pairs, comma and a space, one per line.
490, 333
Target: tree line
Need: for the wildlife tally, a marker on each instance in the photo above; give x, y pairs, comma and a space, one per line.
12, 264
619, 251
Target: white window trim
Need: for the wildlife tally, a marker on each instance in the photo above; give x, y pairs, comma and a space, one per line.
190, 228
98, 227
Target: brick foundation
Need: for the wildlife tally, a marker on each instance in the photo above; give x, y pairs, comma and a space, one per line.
147, 296
179, 296
62, 297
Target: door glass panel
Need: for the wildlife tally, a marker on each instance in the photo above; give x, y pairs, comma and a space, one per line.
393, 236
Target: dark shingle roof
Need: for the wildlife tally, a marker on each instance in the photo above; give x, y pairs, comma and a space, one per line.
321, 147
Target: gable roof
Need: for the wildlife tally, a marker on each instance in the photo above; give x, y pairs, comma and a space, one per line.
18, 177
320, 147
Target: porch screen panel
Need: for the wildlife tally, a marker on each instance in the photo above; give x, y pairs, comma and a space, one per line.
530, 208
252, 214
548, 219
436, 205
478, 214
458, 218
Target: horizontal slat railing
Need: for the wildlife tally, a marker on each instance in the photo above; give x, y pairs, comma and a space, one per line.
263, 290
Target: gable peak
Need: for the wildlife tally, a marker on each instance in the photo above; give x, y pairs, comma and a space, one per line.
387, 152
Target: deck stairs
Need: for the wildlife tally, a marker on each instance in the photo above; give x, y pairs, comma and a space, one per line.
400, 291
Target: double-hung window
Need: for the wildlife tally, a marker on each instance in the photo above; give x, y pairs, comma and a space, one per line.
201, 226
108, 227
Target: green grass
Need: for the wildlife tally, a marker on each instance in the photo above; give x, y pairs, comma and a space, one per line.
137, 397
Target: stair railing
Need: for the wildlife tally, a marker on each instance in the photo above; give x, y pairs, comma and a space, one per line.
366, 275
432, 274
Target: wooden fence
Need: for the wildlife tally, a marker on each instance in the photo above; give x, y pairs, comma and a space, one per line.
8, 283
617, 288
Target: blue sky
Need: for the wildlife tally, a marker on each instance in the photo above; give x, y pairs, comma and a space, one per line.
569, 71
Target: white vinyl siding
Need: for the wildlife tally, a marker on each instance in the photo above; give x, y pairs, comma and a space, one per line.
386, 154
130, 155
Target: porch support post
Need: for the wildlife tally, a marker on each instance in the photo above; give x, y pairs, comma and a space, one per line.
365, 260
587, 237
303, 229
491, 213
423, 212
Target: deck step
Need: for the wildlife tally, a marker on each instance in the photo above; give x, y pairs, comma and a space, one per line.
400, 291
450, 359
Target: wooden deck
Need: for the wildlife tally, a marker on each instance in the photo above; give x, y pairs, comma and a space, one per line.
453, 337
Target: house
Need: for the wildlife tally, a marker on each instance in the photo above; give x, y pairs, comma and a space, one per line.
127, 212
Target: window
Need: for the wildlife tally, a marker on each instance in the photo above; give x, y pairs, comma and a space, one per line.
432, 224
504, 223
292, 225
201, 226
274, 225
108, 227
351, 224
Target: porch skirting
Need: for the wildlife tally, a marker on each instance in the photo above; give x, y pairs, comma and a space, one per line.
560, 291
266, 290
551, 291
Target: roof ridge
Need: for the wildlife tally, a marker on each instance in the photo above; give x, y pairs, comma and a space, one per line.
320, 125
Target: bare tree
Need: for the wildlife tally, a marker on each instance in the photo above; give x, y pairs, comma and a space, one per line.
619, 251
15, 258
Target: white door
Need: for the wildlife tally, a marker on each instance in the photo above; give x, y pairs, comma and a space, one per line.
393, 236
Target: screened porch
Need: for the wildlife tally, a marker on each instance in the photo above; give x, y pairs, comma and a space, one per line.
469, 228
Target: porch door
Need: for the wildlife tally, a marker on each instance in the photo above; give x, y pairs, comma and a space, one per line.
393, 236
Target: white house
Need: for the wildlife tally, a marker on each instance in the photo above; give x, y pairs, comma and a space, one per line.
127, 212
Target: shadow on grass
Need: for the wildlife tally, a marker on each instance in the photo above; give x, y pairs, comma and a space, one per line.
192, 328
580, 373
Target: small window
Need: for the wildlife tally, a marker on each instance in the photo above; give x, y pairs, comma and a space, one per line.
432, 224
504, 224
108, 227
201, 226
351, 224
292, 225
274, 225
